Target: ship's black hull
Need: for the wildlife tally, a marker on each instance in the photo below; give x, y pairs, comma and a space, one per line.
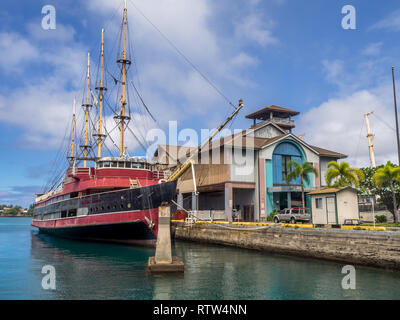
126, 216
135, 232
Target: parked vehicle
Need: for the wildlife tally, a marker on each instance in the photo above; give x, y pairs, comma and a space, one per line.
293, 215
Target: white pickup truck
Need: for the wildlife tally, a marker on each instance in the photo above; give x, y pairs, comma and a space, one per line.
293, 215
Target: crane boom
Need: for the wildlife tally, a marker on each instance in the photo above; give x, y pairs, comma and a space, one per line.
188, 163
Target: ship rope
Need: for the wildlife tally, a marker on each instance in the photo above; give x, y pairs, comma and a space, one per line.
179, 52
135, 96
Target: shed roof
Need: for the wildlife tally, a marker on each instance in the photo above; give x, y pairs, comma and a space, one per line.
330, 190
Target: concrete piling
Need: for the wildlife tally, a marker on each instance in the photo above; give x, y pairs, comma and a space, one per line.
163, 261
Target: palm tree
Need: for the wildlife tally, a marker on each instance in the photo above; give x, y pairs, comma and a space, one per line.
300, 170
343, 175
384, 177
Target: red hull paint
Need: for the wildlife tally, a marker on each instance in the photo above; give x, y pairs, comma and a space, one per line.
102, 219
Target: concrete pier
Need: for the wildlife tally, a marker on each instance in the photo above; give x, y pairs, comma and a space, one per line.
163, 261
370, 248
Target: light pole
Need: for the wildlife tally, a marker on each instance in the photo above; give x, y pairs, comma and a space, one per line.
395, 113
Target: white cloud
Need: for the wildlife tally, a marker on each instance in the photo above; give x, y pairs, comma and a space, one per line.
168, 82
373, 49
243, 60
41, 110
339, 125
356, 75
334, 69
255, 29
42, 106
390, 22
16, 51
171, 88
62, 33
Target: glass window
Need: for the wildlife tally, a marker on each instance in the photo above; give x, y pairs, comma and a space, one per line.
106, 164
114, 164
137, 165
285, 167
121, 165
318, 203
128, 165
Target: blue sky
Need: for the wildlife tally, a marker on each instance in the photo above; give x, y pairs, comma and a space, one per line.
281, 52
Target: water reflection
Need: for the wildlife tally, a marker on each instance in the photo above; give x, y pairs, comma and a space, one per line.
87, 270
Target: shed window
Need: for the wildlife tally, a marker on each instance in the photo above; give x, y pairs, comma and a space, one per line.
318, 203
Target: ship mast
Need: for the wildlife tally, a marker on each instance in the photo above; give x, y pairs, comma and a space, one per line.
100, 136
73, 134
87, 106
370, 137
122, 117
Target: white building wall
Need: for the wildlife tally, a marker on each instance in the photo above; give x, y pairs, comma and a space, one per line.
269, 131
319, 216
242, 168
347, 205
323, 163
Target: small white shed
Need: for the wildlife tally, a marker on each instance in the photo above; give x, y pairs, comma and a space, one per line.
334, 205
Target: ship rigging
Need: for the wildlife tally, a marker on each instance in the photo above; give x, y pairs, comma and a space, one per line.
118, 198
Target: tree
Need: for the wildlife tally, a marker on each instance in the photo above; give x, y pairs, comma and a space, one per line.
342, 175
384, 194
300, 170
30, 210
386, 177
15, 211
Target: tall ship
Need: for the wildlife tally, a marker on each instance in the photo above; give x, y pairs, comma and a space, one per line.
116, 199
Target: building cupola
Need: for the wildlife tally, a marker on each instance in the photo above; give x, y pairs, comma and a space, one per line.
278, 115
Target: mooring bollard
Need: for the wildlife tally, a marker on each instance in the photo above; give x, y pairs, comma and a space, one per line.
163, 260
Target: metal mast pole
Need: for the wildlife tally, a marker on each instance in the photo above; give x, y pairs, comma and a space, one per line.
123, 100
86, 113
73, 133
101, 88
370, 137
395, 113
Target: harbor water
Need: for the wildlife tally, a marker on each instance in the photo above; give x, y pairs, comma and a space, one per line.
86, 270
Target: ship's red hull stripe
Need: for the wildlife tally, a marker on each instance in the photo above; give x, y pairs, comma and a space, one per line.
97, 219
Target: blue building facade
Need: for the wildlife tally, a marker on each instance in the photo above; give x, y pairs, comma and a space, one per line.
257, 187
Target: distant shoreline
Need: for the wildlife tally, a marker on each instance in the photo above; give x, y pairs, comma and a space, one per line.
2, 216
